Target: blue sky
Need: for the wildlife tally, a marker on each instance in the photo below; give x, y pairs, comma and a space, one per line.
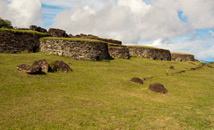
178, 25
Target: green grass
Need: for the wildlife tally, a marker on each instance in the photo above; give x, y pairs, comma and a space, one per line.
71, 39
99, 95
145, 47
35, 33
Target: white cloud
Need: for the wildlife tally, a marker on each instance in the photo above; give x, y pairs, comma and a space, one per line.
22, 13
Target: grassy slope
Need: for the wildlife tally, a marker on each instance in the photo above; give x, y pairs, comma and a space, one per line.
35, 33
98, 95
71, 39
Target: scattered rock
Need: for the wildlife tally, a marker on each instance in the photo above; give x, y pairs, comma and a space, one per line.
43, 64
57, 32
182, 71
146, 78
172, 67
61, 66
192, 68
38, 29
157, 87
29, 69
137, 80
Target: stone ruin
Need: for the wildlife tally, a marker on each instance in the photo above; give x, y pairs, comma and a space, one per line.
38, 29
89, 36
100, 48
80, 50
57, 32
17, 42
182, 57
150, 53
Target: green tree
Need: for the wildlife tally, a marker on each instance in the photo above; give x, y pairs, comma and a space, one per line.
5, 23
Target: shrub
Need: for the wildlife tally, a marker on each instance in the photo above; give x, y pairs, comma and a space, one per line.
5, 23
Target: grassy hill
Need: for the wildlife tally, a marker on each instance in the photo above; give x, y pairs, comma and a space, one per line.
99, 95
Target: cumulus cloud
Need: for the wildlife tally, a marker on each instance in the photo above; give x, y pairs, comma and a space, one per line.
22, 13
137, 22
127, 20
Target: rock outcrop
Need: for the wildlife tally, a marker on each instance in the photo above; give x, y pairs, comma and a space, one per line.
151, 53
57, 32
182, 57
80, 50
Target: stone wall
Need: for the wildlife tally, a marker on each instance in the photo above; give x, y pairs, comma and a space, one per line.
119, 52
151, 53
89, 36
80, 50
16, 42
182, 57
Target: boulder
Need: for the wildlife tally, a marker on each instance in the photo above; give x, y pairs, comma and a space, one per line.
43, 64
157, 87
172, 67
29, 69
38, 29
57, 32
136, 80
61, 66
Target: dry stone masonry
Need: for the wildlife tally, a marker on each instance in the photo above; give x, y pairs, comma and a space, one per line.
182, 57
57, 32
151, 53
38, 29
17, 42
89, 36
119, 52
80, 50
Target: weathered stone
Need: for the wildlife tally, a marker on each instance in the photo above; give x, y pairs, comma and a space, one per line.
43, 64
157, 87
172, 67
136, 80
57, 32
119, 52
17, 42
182, 57
94, 51
29, 69
38, 29
61, 66
151, 53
